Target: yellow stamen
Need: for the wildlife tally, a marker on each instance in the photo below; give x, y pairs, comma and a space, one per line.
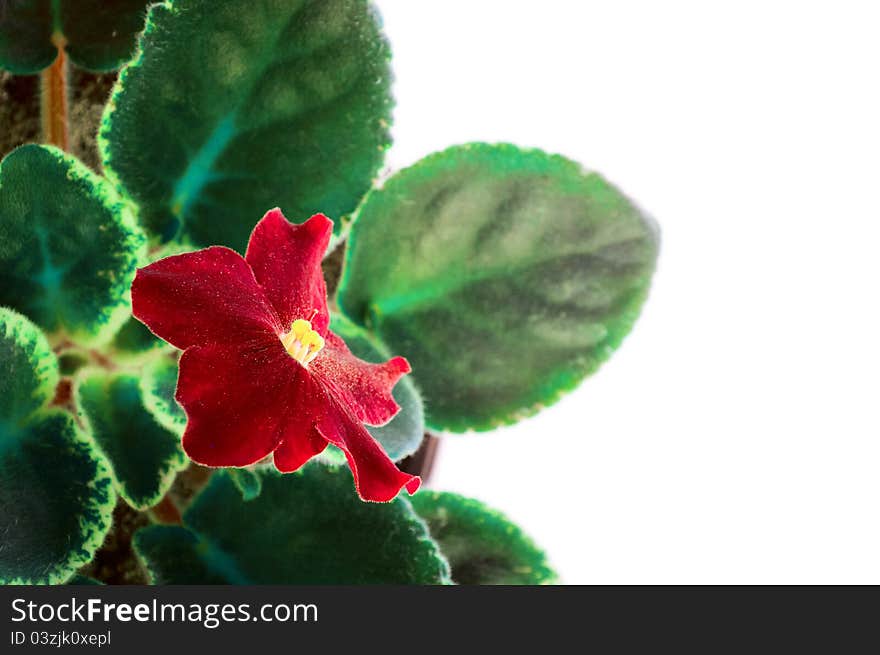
302, 342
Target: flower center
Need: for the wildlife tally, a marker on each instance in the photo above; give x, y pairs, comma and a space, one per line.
302, 342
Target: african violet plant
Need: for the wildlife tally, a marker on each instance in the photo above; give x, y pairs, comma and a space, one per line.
500, 277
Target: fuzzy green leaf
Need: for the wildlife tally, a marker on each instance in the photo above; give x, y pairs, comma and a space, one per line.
29, 373
158, 386
72, 361
68, 244
402, 435
56, 490
248, 482
98, 35
232, 108
505, 276
176, 555
144, 456
83, 580
307, 527
134, 339
481, 544
58, 499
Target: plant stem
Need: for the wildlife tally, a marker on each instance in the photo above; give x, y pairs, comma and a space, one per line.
63, 394
166, 512
53, 99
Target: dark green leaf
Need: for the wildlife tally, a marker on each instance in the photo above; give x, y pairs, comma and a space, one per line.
403, 434
68, 245
57, 495
83, 580
98, 35
144, 456
134, 339
235, 107
158, 386
176, 555
505, 276
71, 361
28, 369
481, 544
26, 36
56, 490
307, 527
249, 483
101, 35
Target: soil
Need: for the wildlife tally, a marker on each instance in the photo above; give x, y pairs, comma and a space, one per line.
20, 111
115, 562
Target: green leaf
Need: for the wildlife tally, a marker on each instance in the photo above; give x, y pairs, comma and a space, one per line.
176, 555
71, 361
98, 35
505, 276
58, 499
232, 108
56, 490
481, 544
332, 456
248, 482
145, 457
158, 386
307, 527
402, 435
83, 580
29, 373
134, 339
26, 36
68, 245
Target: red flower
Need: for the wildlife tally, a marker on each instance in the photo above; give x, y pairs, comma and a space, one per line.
261, 372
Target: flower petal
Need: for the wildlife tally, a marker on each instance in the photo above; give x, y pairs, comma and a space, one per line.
363, 387
239, 400
208, 296
286, 260
298, 449
376, 477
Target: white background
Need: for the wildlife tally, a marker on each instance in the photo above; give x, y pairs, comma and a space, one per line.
734, 437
